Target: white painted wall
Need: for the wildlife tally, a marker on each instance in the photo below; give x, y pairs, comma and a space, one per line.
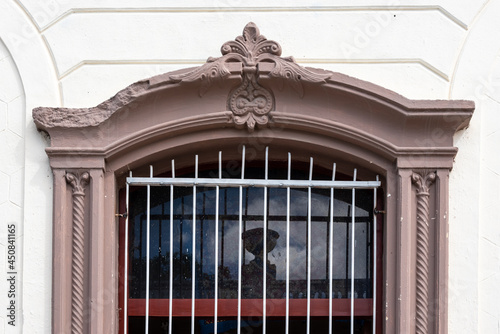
78, 53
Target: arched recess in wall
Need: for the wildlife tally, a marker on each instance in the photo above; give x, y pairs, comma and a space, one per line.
38, 87
479, 84
253, 96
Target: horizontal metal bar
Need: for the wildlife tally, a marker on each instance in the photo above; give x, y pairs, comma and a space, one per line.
273, 218
209, 182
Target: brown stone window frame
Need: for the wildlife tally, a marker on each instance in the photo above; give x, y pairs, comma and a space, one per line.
252, 95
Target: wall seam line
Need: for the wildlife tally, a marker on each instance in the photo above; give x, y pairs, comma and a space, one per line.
464, 41
438, 8
300, 61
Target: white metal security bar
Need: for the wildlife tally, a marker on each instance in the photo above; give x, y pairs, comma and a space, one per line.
148, 240
308, 324
216, 269
353, 215
125, 299
330, 264
193, 262
265, 183
374, 318
240, 243
287, 289
261, 183
264, 238
171, 272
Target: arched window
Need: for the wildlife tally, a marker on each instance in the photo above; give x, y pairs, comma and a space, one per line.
321, 250
250, 96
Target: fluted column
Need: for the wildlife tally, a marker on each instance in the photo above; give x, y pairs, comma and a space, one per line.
422, 181
78, 181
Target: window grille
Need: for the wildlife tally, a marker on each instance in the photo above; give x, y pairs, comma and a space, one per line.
244, 186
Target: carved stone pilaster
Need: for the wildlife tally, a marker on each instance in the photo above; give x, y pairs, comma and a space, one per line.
422, 181
78, 181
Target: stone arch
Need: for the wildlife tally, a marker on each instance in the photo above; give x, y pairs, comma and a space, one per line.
252, 94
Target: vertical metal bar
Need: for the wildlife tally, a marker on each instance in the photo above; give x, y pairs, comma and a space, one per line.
125, 288
141, 245
264, 253
171, 264
347, 242
240, 243
368, 253
309, 250
374, 312
193, 254
247, 197
287, 316
330, 249
353, 241
202, 236
216, 252
148, 241
160, 255
222, 227
181, 246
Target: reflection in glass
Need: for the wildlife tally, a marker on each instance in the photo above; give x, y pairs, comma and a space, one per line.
253, 257
249, 325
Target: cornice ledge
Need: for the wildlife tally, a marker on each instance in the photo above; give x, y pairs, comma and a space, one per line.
361, 137
250, 58
408, 106
48, 117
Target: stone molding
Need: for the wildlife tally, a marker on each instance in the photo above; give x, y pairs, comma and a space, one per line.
250, 102
198, 110
78, 182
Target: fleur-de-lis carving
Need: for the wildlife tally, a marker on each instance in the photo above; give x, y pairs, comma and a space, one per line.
250, 46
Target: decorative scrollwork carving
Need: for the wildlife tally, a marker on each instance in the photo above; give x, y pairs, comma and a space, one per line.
251, 103
422, 181
251, 45
78, 181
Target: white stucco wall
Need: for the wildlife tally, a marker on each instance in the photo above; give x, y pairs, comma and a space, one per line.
79, 53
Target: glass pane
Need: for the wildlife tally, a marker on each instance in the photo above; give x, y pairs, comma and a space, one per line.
252, 257
248, 325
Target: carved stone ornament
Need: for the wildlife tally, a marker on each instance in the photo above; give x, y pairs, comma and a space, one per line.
251, 103
422, 181
78, 181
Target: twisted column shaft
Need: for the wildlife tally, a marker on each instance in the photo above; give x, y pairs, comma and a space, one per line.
422, 181
78, 183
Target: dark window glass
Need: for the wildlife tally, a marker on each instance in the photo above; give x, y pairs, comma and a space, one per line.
253, 215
